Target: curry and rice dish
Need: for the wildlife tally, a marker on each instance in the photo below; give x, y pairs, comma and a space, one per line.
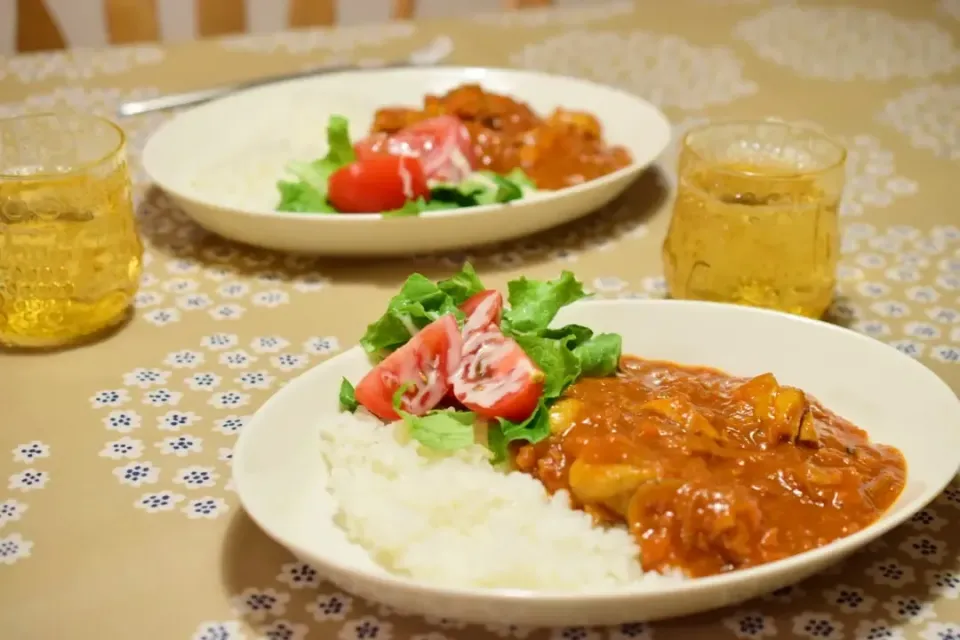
712, 473
488, 447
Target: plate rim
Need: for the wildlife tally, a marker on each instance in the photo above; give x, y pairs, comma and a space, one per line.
793, 564
663, 126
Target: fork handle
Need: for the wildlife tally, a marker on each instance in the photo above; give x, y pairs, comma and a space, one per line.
188, 98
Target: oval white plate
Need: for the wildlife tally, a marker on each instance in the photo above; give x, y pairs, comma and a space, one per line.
220, 161
280, 476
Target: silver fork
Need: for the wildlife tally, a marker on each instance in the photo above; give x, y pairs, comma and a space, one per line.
432, 54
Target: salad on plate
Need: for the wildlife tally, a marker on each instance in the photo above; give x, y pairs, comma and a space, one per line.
428, 166
452, 354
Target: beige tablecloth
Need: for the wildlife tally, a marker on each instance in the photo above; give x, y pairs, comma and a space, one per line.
117, 519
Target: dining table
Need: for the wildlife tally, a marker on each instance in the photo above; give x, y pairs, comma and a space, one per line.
118, 518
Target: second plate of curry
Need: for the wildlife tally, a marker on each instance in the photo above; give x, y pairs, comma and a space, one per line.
481, 156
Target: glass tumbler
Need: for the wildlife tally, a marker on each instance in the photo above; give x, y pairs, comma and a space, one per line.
70, 257
755, 221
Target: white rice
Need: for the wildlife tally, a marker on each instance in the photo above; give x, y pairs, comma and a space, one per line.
248, 178
453, 520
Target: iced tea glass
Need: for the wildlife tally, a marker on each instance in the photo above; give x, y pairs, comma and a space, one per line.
70, 257
755, 221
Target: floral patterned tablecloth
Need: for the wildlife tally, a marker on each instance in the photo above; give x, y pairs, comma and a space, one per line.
118, 520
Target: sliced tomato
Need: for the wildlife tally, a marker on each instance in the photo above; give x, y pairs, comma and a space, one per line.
442, 144
377, 183
496, 378
483, 309
376, 144
425, 364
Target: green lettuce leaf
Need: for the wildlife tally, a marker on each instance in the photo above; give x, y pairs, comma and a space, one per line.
497, 443
441, 430
462, 285
309, 193
456, 195
418, 206
574, 334
533, 429
300, 197
534, 303
348, 399
506, 188
409, 208
484, 187
560, 366
521, 179
419, 302
339, 148
600, 355
496, 189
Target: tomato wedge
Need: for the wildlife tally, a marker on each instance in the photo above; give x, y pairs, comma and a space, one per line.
496, 378
425, 363
442, 144
483, 309
377, 183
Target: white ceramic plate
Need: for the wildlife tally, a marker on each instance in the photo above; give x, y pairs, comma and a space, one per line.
220, 161
280, 475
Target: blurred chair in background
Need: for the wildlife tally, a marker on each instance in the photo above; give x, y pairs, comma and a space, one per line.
36, 25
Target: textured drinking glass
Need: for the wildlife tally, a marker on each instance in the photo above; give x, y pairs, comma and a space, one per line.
755, 219
70, 257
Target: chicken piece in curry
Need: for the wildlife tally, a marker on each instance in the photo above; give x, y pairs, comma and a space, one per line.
712, 473
561, 150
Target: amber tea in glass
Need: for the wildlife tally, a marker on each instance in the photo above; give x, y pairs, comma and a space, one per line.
755, 219
70, 257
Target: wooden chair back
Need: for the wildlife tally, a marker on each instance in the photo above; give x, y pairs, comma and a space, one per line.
34, 25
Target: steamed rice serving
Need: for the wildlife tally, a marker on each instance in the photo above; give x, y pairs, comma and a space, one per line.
452, 519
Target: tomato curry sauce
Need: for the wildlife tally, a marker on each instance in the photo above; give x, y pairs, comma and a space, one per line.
561, 150
712, 473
